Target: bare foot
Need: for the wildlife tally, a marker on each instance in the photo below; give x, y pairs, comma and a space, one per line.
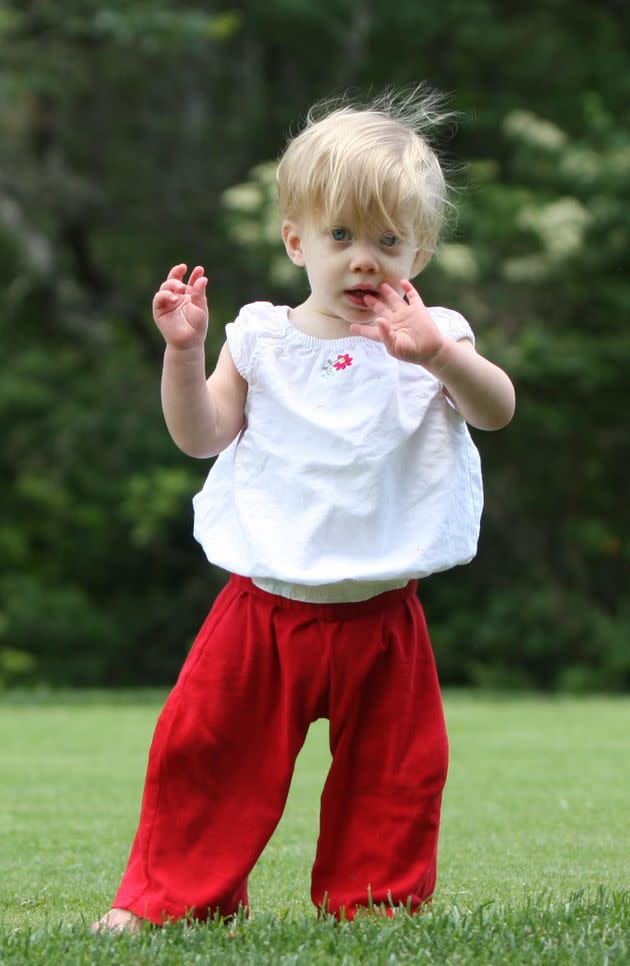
118, 920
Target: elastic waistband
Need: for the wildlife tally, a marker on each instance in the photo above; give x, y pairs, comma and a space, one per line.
341, 611
349, 592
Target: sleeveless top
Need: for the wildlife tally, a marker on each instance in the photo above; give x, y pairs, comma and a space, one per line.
353, 469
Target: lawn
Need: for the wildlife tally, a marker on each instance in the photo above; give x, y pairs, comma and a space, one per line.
534, 859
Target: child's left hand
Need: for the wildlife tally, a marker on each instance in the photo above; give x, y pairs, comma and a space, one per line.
405, 328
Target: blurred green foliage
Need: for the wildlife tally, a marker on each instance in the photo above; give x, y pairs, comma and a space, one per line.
137, 134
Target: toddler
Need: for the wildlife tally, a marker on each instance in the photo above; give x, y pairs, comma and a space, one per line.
345, 473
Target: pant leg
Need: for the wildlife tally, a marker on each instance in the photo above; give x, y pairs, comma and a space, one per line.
221, 762
381, 803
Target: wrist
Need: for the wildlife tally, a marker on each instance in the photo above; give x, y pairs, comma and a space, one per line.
437, 361
184, 353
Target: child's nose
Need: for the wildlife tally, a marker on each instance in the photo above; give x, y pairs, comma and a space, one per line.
363, 259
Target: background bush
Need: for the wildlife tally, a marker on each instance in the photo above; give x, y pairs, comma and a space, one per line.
137, 134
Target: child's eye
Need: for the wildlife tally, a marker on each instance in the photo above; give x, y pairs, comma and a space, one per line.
389, 241
340, 234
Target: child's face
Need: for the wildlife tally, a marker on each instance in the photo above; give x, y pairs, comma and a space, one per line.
343, 261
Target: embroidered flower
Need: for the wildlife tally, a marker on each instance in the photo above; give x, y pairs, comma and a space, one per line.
343, 361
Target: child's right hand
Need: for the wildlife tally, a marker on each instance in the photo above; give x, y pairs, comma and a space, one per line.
180, 309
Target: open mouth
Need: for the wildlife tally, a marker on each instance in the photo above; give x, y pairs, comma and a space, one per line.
357, 296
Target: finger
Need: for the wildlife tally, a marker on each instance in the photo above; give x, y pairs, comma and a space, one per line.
391, 298
380, 331
172, 285
367, 331
385, 332
410, 291
375, 302
166, 295
196, 274
178, 271
165, 300
198, 294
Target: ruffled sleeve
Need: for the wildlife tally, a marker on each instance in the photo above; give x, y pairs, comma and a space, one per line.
451, 323
253, 322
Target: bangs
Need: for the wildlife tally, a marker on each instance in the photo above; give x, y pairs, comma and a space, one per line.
362, 197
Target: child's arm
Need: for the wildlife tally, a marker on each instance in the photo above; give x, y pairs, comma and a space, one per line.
202, 416
482, 392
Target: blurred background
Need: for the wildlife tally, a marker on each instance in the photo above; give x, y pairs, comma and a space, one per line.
135, 134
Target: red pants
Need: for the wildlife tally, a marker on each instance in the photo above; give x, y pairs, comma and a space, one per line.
261, 670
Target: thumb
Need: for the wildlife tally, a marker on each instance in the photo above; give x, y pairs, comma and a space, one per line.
387, 337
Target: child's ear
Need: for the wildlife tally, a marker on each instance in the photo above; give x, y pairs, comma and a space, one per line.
421, 261
291, 237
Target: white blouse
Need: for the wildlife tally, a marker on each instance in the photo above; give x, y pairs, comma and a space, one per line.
352, 469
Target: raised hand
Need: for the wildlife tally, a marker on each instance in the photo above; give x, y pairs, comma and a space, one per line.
404, 327
180, 309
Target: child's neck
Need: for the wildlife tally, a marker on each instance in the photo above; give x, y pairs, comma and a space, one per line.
307, 319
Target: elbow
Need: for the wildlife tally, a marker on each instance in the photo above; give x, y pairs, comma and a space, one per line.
493, 426
194, 452
204, 448
199, 450
194, 446
509, 409
499, 418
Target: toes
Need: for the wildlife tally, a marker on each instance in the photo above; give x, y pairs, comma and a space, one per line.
117, 920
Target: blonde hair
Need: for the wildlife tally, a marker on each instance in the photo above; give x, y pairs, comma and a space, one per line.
372, 161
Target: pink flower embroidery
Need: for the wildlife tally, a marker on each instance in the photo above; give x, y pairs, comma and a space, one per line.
343, 361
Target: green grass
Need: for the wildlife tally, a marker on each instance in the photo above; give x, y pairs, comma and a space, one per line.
534, 859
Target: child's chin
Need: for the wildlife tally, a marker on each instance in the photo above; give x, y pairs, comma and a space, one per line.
360, 313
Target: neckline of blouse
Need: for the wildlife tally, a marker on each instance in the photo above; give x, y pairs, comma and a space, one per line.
314, 341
